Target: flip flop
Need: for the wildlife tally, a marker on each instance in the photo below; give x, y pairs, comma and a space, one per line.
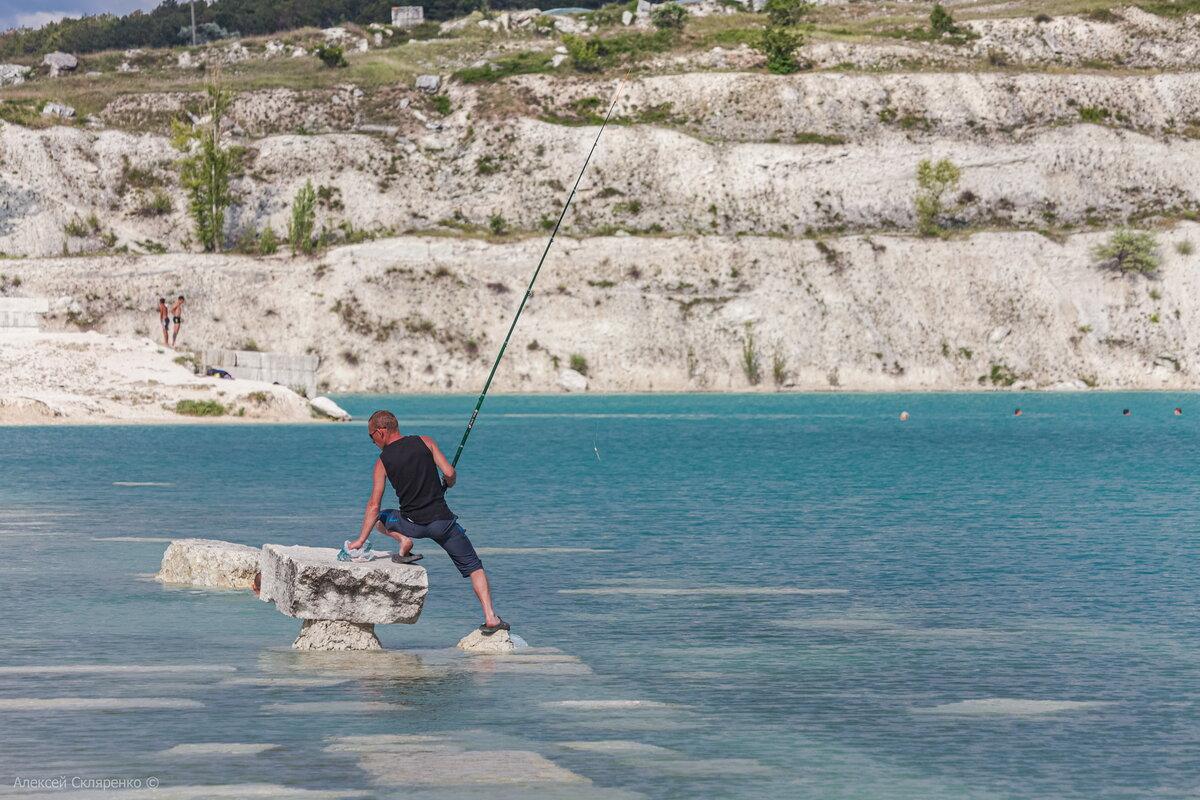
408, 559
488, 630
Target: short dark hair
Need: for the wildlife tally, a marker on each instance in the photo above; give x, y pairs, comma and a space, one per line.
383, 421
162, 299
180, 297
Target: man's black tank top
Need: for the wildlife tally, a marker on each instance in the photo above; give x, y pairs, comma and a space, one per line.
414, 476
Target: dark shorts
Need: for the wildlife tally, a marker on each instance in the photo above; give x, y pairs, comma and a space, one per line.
166, 322
178, 320
446, 532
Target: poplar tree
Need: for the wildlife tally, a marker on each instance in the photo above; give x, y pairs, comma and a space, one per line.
205, 169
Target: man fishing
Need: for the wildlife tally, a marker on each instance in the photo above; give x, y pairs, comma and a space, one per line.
412, 464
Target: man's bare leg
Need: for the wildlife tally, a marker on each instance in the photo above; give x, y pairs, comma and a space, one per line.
479, 583
175, 338
406, 544
166, 337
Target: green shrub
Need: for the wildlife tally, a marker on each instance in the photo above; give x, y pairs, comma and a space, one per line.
1129, 251
780, 46
441, 104
669, 16
76, 228
159, 204
268, 244
304, 217
497, 225
1002, 375
200, 408
487, 165
933, 182
750, 362
779, 369
585, 53
940, 21
1093, 114
331, 56
531, 62
1185, 248
579, 364
787, 13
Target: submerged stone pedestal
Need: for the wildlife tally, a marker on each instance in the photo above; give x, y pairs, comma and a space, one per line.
499, 643
209, 563
340, 601
334, 634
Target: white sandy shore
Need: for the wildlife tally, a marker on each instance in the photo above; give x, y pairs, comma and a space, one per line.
91, 378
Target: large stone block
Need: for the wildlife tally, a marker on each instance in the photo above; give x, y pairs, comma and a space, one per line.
209, 563
310, 583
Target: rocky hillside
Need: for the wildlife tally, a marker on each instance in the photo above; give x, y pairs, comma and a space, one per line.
736, 228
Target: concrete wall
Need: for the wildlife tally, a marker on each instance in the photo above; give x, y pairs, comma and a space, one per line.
22, 312
296, 372
407, 16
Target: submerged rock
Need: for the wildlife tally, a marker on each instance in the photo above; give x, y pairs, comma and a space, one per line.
498, 644
333, 634
310, 583
209, 563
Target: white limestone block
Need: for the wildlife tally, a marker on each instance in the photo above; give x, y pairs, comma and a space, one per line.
209, 563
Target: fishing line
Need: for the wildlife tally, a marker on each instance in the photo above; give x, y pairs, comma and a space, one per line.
529, 290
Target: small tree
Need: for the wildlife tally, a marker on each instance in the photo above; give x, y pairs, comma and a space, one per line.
933, 182
579, 364
787, 13
1129, 251
668, 16
304, 219
331, 55
780, 46
940, 21
204, 171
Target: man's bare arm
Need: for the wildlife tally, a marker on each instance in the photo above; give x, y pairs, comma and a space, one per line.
371, 515
448, 473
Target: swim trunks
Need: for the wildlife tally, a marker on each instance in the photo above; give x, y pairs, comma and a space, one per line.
446, 532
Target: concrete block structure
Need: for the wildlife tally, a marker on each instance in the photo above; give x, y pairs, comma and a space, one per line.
22, 312
407, 16
295, 372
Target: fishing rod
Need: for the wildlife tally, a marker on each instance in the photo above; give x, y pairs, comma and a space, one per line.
529, 290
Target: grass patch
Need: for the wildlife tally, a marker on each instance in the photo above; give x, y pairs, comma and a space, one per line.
806, 137
529, 62
200, 408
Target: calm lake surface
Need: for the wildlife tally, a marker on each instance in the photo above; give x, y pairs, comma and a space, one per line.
1008, 606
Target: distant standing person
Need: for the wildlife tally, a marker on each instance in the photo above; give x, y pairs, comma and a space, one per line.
164, 317
177, 318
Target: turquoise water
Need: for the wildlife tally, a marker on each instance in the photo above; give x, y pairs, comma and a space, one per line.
965, 555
